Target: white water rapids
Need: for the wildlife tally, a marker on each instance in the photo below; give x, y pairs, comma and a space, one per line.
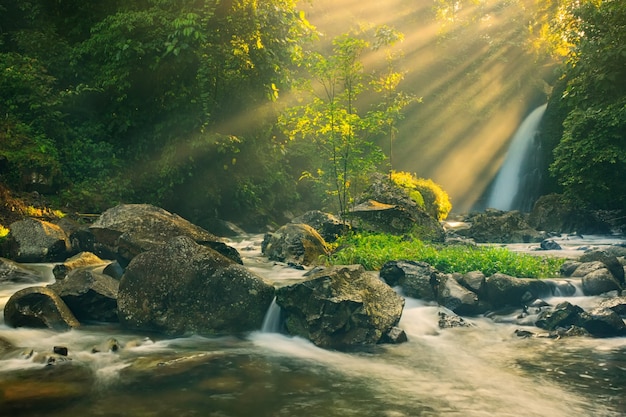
482, 371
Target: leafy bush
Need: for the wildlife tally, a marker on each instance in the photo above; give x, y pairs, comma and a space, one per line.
425, 192
374, 250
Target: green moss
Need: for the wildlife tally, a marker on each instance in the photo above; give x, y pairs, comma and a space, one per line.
425, 192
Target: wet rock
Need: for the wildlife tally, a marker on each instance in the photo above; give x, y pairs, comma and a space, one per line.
455, 297
473, 281
610, 261
599, 282
183, 287
603, 322
617, 304
15, 273
449, 320
569, 267
340, 307
549, 244
416, 279
327, 225
585, 268
395, 336
496, 226
127, 230
90, 296
60, 350
38, 307
81, 260
564, 315
556, 213
33, 240
504, 290
296, 243
80, 237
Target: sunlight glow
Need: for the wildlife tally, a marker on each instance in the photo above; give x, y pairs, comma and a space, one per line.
477, 81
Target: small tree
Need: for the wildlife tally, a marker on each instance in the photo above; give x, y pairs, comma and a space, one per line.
342, 131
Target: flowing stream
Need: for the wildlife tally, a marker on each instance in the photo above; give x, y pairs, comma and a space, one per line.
485, 370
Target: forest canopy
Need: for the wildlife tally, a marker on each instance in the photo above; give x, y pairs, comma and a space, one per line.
183, 104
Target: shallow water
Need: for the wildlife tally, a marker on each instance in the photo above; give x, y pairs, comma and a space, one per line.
484, 370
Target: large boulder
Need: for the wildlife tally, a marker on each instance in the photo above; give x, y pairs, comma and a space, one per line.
503, 290
496, 226
340, 307
33, 240
90, 295
596, 278
38, 307
603, 322
183, 287
294, 243
127, 230
558, 214
610, 261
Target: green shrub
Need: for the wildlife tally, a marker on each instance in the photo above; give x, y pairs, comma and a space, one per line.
374, 250
425, 192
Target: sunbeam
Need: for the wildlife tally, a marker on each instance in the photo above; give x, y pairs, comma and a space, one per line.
476, 76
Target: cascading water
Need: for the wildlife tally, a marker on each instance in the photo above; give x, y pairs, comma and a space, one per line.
271, 322
505, 193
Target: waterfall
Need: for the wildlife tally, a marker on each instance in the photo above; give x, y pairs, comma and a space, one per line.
271, 322
508, 182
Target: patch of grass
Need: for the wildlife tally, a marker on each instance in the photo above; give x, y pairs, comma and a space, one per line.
373, 250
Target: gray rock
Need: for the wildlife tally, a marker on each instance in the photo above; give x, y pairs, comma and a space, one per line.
617, 304
90, 296
504, 290
599, 282
603, 322
569, 267
449, 320
33, 240
340, 307
127, 230
473, 281
182, 287
564, 315
496, 226
416, 279
457, 298
38, 307
610, 261
294, 243
585, 268
549, 244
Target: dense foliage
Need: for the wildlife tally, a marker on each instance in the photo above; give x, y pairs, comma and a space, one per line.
374, 250
147, 100
590, 155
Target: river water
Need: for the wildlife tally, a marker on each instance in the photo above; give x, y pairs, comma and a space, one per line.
484, 370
